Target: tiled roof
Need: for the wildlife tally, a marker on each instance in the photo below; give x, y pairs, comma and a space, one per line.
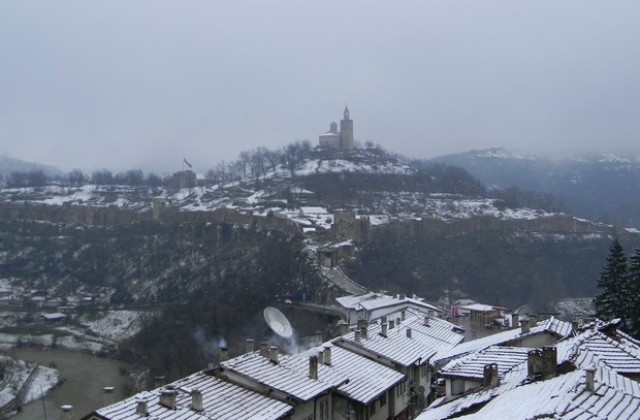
387, 301
595, 348
375, 301
552, 326
367, 379
472, 365
479, 307
425, 342
565, 397
351, 301
287, 378
442, 409
220, 400
589, 349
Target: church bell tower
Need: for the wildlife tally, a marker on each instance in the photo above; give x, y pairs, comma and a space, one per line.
346, 131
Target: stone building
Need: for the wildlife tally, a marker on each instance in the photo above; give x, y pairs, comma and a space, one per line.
343, 139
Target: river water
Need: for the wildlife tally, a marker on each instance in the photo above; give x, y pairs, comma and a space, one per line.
85, 378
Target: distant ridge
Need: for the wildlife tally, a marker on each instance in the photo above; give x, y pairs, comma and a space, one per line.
9, 165
598, 186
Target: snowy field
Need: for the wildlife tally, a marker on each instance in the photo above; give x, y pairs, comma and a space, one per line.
117, 325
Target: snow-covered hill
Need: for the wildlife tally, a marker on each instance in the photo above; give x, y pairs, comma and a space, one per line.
601, 187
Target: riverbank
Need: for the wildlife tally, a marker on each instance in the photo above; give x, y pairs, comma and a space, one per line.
84, 379
23, 382
66, 357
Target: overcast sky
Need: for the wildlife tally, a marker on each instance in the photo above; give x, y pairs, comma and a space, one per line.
140, 84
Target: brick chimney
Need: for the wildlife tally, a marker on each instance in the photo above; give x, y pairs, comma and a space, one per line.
391, 324
524, 326
426, 321
250, 345
264, 349
142, 409
591, 379
515, 320
549, 362
196, 400
534, 362
313, 367
326, 356
398, 320
383, 332
168, 398
363, 331
273, 354
159, 381
343, 328
356, 336
490, 376
224, 354
403, 314
408, 332
67, 412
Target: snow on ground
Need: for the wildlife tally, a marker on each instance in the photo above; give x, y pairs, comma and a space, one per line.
17, 372
310, 216
72, 343
446, 206
381, 207
312, 167
503, 154
45, 380
117, 325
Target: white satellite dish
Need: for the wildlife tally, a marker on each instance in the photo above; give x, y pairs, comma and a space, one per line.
277, 322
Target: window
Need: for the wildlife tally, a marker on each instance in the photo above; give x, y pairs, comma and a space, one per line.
383, 399
372, 408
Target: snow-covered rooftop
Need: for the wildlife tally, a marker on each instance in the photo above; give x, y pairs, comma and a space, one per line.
381, 304
565, 397
479, 307
367, 380
472, 365
220, 400
285, 377
556, 327
425, 342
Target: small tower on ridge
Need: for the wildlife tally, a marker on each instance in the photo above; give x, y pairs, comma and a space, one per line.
346, 131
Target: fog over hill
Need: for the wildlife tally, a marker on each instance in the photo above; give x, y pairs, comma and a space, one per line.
601, 187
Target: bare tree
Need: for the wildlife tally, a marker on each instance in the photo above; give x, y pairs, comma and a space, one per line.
76, 178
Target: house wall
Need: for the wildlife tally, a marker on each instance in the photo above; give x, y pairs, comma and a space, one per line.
399, 396
468, 384
304, 411
330, 140
323, 408
535, 341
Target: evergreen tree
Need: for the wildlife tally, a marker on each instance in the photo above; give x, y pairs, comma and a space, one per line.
634, 283
613, 300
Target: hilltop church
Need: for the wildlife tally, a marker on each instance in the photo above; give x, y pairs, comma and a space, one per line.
343, 139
